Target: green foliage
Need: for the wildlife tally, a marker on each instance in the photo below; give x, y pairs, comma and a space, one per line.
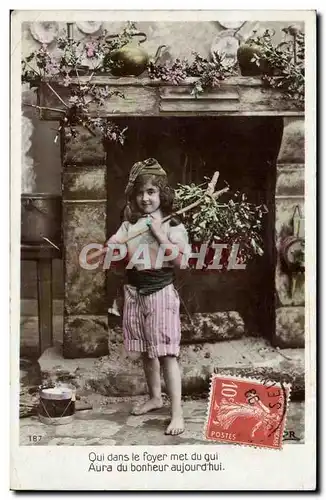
282, 65
234, 221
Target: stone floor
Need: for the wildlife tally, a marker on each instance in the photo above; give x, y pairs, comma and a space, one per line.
101, 380
109, 423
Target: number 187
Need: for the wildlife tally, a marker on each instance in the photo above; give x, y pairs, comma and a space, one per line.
34, 439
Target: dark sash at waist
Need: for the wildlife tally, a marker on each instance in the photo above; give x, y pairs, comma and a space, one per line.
150, 280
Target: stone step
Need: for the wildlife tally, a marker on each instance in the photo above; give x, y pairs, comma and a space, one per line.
210, 327
118, 375
200, 328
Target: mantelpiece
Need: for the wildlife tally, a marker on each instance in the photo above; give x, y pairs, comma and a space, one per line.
244, 96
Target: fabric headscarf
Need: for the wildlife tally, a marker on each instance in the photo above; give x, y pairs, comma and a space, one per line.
145, 167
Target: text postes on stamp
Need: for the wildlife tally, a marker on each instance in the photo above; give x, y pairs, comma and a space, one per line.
247, 411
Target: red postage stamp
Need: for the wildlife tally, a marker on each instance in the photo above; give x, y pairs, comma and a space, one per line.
247, 411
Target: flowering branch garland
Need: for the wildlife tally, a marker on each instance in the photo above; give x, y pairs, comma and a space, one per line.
42, 66
208, 74
285, 64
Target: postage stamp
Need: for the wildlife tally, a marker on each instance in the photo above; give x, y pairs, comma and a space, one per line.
247, 411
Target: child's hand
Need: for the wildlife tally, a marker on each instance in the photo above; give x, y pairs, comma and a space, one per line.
96, 256
157, 229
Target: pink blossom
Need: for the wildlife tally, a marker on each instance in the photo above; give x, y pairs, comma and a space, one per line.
90, 49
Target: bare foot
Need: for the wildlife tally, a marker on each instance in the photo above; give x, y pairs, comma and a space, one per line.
150, 405
176, 426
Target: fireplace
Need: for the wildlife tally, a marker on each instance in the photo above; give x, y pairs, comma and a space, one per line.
244, 151
253, 136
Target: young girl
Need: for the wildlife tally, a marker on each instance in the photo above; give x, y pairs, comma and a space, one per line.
151, 322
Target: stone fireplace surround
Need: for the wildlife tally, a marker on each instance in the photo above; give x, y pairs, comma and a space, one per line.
87, 330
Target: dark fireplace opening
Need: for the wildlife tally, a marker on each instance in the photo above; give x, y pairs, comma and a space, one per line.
244, 150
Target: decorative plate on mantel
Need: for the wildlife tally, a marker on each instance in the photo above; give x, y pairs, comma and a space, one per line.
226, 43
44, 32
231, 25
89, 27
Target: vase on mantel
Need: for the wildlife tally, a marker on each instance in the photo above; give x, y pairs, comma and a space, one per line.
246, 56
130, 59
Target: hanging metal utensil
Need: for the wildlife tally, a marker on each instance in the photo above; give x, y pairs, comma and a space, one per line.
292, 250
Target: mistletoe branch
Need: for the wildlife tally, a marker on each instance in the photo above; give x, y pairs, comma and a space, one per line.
235, 221
282, 65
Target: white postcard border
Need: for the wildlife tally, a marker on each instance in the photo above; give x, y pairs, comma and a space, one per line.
65, 467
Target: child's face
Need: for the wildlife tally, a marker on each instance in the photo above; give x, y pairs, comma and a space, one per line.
148, 198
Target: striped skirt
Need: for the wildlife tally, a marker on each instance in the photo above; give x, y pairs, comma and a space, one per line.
151, 323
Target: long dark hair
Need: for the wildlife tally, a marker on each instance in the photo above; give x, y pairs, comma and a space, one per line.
131, 211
